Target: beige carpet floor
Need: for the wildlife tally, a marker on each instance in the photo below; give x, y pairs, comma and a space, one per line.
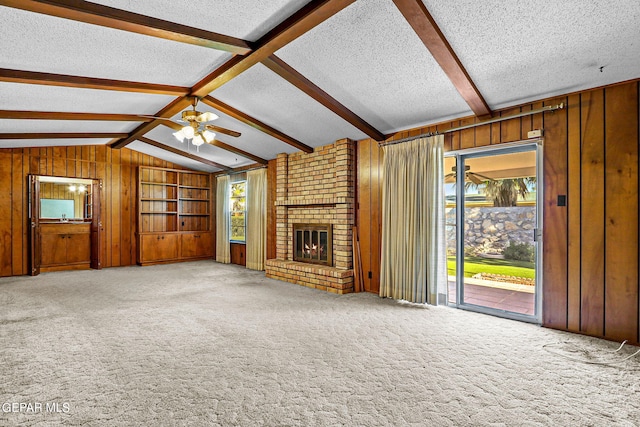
204, 344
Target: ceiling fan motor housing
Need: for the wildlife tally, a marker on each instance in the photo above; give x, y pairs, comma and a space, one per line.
190, 115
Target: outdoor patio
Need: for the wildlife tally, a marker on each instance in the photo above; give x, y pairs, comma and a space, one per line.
498, 295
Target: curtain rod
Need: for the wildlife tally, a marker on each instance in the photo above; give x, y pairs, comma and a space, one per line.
497, 119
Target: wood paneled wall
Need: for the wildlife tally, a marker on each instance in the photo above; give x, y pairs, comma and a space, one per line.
590, 264
116, 168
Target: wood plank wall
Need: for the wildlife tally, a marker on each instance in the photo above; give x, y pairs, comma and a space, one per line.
116, 168
590, 265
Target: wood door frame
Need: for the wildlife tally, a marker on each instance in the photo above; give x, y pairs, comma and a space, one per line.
35, 255
35, 249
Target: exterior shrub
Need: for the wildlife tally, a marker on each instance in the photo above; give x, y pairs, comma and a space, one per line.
519, 251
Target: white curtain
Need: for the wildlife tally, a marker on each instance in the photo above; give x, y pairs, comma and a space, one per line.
256, 218
223, 250
413, 261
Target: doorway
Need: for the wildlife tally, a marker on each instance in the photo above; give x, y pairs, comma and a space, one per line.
493, 230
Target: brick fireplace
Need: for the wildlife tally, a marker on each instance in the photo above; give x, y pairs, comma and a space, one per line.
316, 188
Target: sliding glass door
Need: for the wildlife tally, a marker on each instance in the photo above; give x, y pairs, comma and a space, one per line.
492, 231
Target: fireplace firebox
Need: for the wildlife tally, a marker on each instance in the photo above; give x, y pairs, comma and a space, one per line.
313, 243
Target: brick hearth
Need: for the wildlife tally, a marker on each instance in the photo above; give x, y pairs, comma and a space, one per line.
316, 187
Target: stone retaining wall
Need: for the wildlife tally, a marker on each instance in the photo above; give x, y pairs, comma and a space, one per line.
489, 229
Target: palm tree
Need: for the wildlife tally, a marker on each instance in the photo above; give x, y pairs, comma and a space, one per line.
505, 192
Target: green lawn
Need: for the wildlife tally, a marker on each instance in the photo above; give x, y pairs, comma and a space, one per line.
474, 265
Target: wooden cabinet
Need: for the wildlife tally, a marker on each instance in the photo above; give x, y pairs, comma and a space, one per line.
158, 247
174, 215
239, 254
65, 246
196, 245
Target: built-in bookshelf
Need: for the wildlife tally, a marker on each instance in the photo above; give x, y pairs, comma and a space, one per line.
174, 215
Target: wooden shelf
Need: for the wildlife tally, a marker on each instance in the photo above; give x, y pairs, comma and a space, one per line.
194, 187
158, 183
159, 212
174, 221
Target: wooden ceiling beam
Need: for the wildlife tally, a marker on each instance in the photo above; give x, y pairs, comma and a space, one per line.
288, 73
255, 123
309, 16
183, 153
312, 14
50, 79
55, 115
416, 13
105, 16
220, 144
170, 110
46, 135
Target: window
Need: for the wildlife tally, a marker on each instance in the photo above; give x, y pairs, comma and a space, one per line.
238, 210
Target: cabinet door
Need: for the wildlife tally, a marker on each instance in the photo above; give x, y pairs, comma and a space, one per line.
196, 245
54, 249
238, 254
158, 247
205, 244
78, 248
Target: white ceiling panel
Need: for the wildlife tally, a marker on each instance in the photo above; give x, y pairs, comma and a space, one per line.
170, 157
24, 143
37, 42
261, 93
15, 96
244, 19
369, 58
520, 51
43, 126
164, 135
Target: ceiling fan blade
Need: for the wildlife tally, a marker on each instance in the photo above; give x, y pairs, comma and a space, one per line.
223, 130
206, 117
484, 177
473, 178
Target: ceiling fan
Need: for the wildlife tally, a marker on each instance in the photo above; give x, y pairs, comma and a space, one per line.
196, 127
476, 178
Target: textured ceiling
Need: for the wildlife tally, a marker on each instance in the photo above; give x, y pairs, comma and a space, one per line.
44, 43
261, 93
15, 96
366, 57
375, 64
525, 50
244, 19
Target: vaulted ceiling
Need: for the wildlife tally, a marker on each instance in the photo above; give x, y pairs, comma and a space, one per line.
291, 75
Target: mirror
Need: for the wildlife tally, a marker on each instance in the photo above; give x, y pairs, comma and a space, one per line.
65, 198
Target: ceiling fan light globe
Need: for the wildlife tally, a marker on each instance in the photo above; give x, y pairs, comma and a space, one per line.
179, 135
206, 117
188, 132
197, 140
208, 136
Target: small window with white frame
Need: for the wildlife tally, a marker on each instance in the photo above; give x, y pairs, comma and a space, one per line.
238, 211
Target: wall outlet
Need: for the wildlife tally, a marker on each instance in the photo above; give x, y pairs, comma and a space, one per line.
536, 133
